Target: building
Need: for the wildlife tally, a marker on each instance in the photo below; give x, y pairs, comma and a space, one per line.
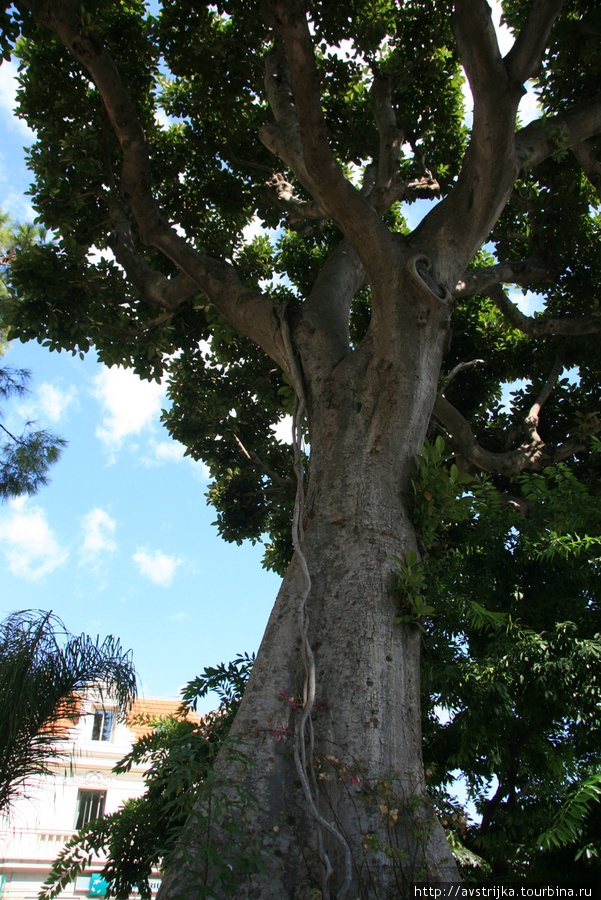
82, 787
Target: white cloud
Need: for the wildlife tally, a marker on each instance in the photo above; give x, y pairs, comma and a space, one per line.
48, 404
52, 401
529, 108
8, 100
257, 229
171, 451
12, 201
30, 546
156, 566
130, 405
98, 535
165, 452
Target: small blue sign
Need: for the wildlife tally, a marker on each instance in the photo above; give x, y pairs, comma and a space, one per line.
98, 886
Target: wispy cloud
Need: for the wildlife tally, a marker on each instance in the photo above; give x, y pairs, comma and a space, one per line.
164, 452
171, 451
30, 546
53, 401
130, 405
156, 566
49, 403
98, 530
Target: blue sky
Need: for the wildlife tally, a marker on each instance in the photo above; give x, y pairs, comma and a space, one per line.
121, 541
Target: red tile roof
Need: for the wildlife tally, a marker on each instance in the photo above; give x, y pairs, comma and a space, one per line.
143, 708
153, 707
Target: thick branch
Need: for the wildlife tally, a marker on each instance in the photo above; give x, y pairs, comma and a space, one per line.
538, 326
479, 52
151, 286
524, 59
494, 160
325, 314
533, 418
525, 271
544, 137
248, 311
282, 137
391, 136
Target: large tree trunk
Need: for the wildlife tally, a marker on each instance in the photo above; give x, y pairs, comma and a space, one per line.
367, 418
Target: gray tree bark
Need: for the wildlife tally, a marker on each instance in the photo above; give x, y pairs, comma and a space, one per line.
367, 415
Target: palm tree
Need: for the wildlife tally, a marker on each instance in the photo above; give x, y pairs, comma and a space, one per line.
43, 667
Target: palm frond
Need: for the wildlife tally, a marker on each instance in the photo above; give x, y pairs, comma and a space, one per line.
43, 671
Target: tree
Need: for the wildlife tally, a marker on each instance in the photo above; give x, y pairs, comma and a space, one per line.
326, 122
24, 460
42, 669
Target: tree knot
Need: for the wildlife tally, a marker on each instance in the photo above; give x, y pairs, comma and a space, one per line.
420, 268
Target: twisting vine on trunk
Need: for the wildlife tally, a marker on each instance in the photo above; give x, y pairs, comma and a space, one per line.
308, 698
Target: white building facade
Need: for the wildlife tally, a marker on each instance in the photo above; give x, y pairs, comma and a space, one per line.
82, 787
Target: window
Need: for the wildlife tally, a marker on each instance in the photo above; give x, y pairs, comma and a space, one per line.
103, 724
90, 805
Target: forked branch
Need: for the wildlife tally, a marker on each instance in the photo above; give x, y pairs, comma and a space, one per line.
456, 370
288, 484
546, 136
524, 58
530, 455
281, 192
329, 187
533, 453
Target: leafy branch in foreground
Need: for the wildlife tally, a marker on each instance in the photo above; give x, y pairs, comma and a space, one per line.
568, 825
179, 751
